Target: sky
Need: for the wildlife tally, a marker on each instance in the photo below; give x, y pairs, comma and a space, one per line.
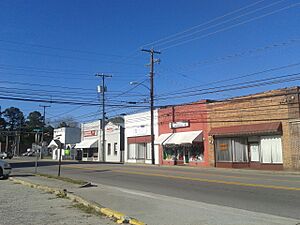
51, 50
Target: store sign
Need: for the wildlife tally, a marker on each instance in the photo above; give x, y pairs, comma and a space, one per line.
89, 133
223, 147
179, 124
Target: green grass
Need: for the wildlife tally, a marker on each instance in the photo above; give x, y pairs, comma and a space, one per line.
86, 209
66, 179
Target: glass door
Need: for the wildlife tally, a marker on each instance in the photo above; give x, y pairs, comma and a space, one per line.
254, 152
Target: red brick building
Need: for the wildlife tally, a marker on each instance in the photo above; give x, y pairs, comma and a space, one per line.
183, 134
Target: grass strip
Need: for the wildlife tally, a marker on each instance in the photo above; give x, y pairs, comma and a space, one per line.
87, 209
66, 179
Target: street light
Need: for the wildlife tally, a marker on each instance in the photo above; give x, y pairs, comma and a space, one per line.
152, 115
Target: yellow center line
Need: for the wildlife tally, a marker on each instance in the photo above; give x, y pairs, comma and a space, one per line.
219, 175
195, 179
212, 181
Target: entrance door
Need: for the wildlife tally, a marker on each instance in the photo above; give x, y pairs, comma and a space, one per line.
186, 156
254, 152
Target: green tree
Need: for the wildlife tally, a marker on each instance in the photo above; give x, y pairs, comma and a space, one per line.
34, 120
14, 118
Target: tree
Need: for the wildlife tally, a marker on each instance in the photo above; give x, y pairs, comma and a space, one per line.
14, 118
68, 121
34, 120
2, 124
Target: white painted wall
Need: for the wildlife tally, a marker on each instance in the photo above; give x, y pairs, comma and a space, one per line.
67, 135
112, 136
139, 124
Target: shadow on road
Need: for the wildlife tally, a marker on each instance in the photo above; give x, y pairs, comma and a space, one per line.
22, 175
16, 164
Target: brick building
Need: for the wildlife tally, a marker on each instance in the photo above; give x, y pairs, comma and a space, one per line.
259, 131
183, 134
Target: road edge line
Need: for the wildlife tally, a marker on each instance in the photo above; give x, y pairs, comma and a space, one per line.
118, 216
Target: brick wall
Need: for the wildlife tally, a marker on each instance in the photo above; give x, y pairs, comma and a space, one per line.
272, 106
195, 113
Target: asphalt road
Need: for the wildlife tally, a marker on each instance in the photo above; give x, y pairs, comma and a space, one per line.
274, 193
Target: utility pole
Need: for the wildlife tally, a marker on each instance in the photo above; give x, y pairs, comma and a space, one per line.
44, 122
102, 89
152, 61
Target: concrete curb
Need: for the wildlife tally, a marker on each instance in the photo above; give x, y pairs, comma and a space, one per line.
118, 216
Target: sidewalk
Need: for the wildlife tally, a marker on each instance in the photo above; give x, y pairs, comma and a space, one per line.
155, 209
28, 206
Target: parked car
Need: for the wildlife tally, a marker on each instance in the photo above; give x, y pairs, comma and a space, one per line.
5, 169
6, 155
3, 155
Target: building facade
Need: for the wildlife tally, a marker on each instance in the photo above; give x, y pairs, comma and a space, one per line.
138, 138
114, 135
183, 134
65, 138
258, 131
91, 142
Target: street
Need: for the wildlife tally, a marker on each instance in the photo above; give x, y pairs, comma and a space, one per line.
266, 194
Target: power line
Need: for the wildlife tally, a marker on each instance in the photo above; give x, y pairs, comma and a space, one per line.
237, 77
200, 25
232, 26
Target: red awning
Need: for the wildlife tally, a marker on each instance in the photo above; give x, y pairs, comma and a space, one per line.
251, 129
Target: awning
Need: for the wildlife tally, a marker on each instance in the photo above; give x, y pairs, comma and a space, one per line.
184, 138
251, 129
88, 143
162, 138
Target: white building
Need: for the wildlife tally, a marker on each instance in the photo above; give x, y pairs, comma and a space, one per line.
114, 136
138, 138
90, 138
91, 142
65, 138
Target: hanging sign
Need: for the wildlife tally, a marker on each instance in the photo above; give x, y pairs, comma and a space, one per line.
179, 124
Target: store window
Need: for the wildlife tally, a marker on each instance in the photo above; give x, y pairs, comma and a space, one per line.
148, 153
223, 149
239, 149
141, 150
109, 148
131, 151
169, 153
89, 152
196, 152
271, 149
115, 148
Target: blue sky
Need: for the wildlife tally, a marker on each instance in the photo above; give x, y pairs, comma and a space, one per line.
56, 47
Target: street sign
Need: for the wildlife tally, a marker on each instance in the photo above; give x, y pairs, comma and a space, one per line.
37, 130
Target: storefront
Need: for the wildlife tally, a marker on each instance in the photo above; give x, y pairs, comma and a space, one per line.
89, 145
256, 146
182, 148
138, 138
183, 135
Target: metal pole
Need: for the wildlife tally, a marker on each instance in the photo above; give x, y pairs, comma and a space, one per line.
37, 155
59, 160
44, 120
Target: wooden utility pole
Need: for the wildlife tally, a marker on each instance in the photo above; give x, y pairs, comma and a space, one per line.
102, 89
152, 61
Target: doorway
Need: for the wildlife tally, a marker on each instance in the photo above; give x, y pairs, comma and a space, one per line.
254, 152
